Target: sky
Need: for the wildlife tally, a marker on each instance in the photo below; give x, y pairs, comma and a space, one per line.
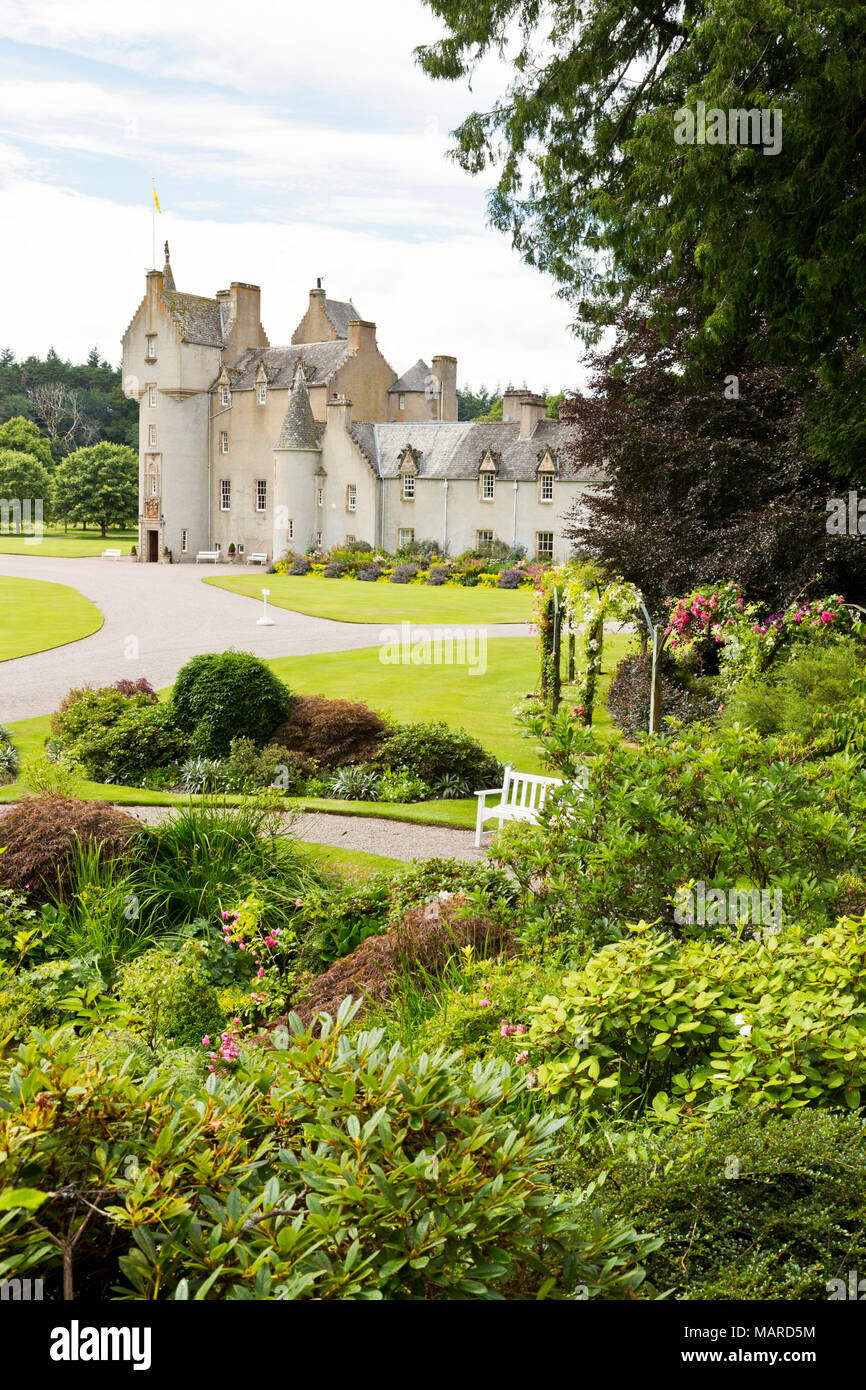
287, 142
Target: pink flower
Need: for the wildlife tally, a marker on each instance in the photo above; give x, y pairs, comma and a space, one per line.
205, 1042
299, 902
484, 1003
522, 1057
260, 973
225, 916
504, 1029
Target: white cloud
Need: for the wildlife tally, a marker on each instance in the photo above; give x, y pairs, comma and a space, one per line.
314, 130
77, 276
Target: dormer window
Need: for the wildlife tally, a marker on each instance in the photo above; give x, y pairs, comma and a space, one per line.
410, 463
546, 475
263, 394
150, 347
225, 396
487, 471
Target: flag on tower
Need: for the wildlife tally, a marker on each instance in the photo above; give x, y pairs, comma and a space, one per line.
156, 200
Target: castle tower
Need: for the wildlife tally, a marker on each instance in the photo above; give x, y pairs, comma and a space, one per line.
297, 461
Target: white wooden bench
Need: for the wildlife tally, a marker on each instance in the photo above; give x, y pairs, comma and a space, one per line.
521, 797
111, 555
213, 555
257, 559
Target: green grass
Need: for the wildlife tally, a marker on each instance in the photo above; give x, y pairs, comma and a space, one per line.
353, 601
36, 615
483, 704
344, 861
74, 544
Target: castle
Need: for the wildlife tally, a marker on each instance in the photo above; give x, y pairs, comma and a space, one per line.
276, 449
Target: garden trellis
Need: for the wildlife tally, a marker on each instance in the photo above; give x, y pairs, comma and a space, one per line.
580, 597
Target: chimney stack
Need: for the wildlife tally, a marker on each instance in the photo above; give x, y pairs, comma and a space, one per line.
532, 410
445, 372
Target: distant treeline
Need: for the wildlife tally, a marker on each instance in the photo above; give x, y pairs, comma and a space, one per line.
73, 405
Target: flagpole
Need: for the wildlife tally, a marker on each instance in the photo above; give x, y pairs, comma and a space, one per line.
153, 222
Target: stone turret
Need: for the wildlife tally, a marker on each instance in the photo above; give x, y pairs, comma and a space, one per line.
297, 459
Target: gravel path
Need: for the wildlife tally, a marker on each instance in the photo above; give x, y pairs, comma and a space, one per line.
397, 839
156, 618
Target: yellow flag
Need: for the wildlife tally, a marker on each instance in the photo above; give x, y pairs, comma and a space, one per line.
156, 200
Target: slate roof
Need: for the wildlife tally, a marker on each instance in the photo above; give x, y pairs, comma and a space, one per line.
299, 427
455, 449
413, 380
321, 361
339, 314
197, 318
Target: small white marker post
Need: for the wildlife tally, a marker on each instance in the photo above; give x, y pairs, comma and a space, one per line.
264, 620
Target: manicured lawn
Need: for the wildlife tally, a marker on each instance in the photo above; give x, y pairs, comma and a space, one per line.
353, 601
68, 545
483, 704
351, 862
36, 615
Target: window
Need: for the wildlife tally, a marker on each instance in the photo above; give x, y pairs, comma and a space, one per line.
224, 442
151, 397
545, 487
483, 540
263, 394
150, 348
488, 487
226, 396
544, 545
151, 436
261, 495
320, 496
408, 487
405, 536
154, 484
351, 498
350, 540
318, 538
402, 401
225, 494
291, 535
184, 542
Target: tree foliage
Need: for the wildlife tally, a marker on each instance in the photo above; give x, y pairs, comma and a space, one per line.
593, 187
710, 476
97, 484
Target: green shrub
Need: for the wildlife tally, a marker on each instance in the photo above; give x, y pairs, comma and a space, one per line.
44, 774
402, 786
249, 768
355, 784
33, 998
172, 994
142, 738
728, 811
796, 697
432, 751
708, 1026
628, 696
333, 1170
226, 695
85, 709
487, 1015
755, 1205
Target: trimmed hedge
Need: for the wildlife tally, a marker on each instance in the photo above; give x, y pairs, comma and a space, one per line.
224, 695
